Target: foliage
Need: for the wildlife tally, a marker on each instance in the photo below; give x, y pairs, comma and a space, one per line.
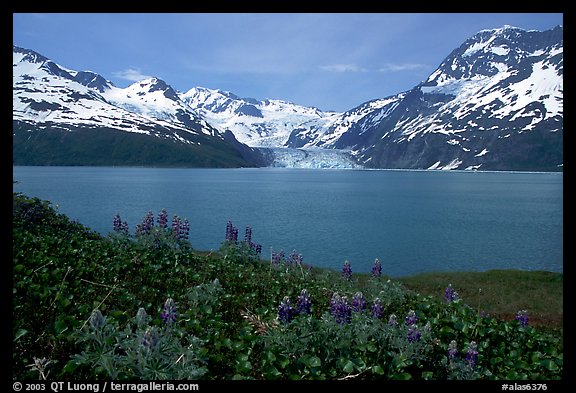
149, 306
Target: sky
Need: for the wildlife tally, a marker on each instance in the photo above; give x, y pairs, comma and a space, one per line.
332, 61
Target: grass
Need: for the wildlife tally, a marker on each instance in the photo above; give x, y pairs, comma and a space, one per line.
500, 293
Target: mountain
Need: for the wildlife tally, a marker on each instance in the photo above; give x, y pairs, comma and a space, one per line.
66, 117
266, 123
495, 103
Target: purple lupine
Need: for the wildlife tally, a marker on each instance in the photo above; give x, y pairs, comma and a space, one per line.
97, 320
184, 230
340, 309
414, 334
450, 294
117, 223
278, 257
452, 350
248, 236
472, 354
376, 268
231, 233
169, 312
295, 258
346, 270
411, 318
392, 321
258, 249
124, 228
163, 219
176, 226
285, 311
358, 302
303, 303
522, 317
150, 338
376, 309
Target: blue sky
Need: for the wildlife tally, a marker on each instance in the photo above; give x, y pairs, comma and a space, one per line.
334, 61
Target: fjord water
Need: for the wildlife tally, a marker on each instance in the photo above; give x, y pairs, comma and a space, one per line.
413, 221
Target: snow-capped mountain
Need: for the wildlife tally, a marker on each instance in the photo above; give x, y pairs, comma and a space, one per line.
52, 103
266, 123
495, 103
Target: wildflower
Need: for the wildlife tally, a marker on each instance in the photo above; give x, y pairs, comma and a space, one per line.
392, 320
176, 226
347, 270
141, 317
340, 309
452, 350
471, 354
184, 230
285, 311
414, 334
376, 310
303, 303
411, 318
522, 317
231, 233
120, 226
277, 257
358, 302
248, 235
150, 338
295, 258
163, 219
169, 311
258, 249
450, 294
376, 268
428, 327
97, 320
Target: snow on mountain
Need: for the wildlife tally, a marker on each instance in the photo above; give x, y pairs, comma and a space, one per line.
266, 123
47, 96
496, 102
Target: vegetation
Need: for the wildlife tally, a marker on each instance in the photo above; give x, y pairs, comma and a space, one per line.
148, 306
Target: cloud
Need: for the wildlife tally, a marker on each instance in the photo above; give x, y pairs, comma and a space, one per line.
389, 67
131, 74
342, 68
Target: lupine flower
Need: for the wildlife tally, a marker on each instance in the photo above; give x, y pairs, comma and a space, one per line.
340, 309
303, 303
277, 257
248, 235
142, 317
392, 320
452, 350
150, 338
376, 310
295, 258
176, 226
120, 226
231, 233
414, 334
346, 270
427, 327
285, 311
258, 248
358, 302
163, 219
450, 294
184, 230
522, 317
169, 311
472, 354
411, 318
97, 320
376, 268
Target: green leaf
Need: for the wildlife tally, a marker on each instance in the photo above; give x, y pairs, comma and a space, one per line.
549, 364
348, 367
19, 334
314, 362
378, 370
403, 376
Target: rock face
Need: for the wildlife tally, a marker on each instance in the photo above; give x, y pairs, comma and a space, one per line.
495, 103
